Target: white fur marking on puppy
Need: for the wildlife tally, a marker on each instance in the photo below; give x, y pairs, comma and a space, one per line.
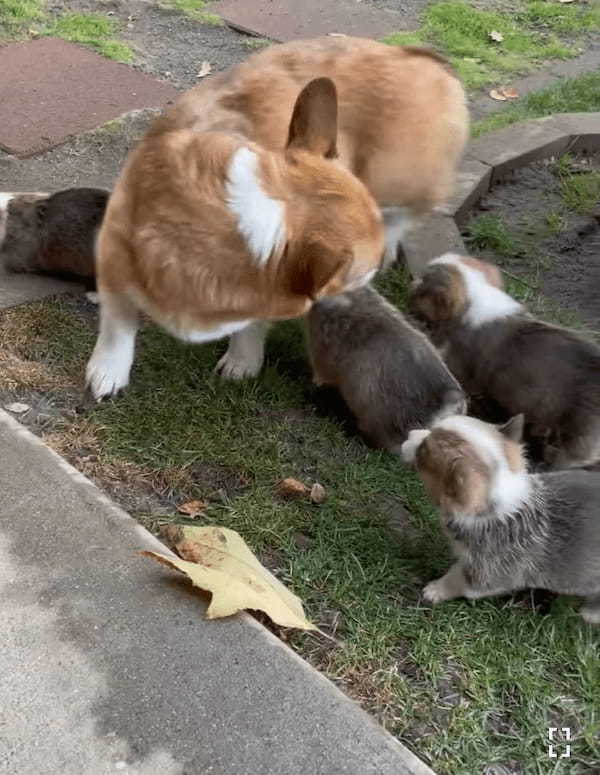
486, 302
245, 354
260, 218
409, 449
509, 489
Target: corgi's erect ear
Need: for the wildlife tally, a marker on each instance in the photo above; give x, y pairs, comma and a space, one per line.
314, 121
316, 266
513, 429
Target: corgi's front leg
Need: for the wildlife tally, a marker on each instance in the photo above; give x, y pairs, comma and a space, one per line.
245, 353
108, 368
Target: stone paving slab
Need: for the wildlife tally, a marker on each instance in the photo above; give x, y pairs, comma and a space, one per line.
18, 289
108, 665
51, 89
284, 20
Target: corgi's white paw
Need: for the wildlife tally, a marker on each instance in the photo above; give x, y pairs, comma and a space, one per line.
236, 366
107, 373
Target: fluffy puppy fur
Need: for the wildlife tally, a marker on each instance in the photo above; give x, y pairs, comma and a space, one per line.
52, 233
388, 373
497, 350
210, 233
403, 121
510, 530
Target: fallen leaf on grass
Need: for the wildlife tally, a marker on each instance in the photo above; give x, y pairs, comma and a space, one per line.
192, 508
292, 488
18, 408
504, 94
497, 37
318, 494
337, 34
566, 1
205, 69
218, 560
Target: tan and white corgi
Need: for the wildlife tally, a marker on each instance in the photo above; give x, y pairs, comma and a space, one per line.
229, 214
509, 529
497, 350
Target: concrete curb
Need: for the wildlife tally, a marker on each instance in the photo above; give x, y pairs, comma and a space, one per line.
229, 694
488, 160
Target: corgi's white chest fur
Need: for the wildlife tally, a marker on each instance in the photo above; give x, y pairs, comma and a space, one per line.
200, 335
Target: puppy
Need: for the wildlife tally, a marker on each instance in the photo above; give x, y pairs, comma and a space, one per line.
509, 529
388, 373
210, 233
52, 233
403, 121
496, 349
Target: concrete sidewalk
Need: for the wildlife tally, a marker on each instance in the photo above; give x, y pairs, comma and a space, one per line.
108, 665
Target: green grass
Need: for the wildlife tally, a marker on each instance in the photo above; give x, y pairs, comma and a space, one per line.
512, 671
17, 14
91, 30
195, 9
580, 190
462, 32
488, 232
20, 18
561, 18
570, 95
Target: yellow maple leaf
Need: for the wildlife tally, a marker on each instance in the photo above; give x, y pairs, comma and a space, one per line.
218, 560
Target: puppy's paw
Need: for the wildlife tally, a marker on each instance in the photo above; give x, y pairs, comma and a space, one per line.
235, 367
436, 591
106, 375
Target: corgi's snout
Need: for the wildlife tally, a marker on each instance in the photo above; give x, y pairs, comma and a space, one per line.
412, 444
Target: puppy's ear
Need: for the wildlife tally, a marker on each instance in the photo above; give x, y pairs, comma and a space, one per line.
314, 121
431, 302
513, 429
466, 483
316, 265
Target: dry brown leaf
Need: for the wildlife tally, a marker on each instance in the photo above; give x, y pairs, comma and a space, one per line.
497, 95
292, 488
496, 36
318, 494
219, 561
205, 69
337, 34
510, 94
192, 508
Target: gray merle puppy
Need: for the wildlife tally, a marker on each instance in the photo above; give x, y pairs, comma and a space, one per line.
498, 351
388, 373
52, 233
510, 530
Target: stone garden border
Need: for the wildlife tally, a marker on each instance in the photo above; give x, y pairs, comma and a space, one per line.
488, 160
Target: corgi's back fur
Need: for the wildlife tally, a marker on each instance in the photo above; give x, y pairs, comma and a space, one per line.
403, 121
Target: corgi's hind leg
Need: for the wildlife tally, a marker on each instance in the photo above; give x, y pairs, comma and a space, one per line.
246, 352
108, 368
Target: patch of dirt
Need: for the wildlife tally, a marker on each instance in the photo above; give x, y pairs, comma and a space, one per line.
168, 44
569, 260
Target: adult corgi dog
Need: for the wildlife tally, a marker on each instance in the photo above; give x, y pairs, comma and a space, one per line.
229, 215
509, 529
